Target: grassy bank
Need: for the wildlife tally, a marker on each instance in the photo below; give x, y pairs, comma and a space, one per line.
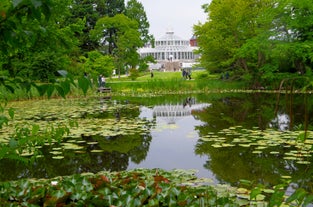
161, 83
172, 82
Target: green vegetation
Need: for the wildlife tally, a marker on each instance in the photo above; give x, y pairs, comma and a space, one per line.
64, 138
173, 83
39, 38
138, 188
267, 44
134, 188
257, 39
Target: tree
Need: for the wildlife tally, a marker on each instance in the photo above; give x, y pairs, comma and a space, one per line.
15, 22
294, 36
123, 47
135, 10
31, 28
250, 39
257, 39
90, 11
84, 10
222, 36
97, 63
43, 43
114, 7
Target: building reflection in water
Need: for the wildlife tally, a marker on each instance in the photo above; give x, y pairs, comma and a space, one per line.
171, 113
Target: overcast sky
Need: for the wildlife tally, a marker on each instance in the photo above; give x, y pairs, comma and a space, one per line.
178, 15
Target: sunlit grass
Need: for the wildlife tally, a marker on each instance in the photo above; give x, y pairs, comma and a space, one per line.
172, 82
159, 75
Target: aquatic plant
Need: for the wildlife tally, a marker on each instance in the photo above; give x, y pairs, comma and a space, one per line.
127, 188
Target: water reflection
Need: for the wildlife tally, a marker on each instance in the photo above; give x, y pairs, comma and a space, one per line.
281, 122
166, 132
255, 112
172, 113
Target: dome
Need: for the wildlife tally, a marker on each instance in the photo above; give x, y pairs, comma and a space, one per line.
169, 35
170, 41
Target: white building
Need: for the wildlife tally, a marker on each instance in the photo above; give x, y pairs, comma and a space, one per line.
170, 52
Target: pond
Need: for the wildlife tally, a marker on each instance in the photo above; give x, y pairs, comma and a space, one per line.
225, 137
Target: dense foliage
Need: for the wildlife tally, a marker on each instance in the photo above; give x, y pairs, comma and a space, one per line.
257, 39
134, 188
40, 37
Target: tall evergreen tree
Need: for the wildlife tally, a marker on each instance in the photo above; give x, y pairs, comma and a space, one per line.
136, 11
114, 7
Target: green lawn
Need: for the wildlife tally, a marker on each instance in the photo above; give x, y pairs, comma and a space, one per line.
145, 76
172, 82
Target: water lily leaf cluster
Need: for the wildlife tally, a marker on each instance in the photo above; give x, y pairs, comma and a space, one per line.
139, 187
72, 125
259, 141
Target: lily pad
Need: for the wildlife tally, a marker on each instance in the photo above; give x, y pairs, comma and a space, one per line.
97, 151
58, 157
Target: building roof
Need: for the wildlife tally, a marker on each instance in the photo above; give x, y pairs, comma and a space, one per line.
169, 35
169, 43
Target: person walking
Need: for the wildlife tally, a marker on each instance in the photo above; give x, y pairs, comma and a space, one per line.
102, 81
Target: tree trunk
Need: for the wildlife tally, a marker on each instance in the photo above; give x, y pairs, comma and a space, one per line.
300, 67
261, 59
243, 64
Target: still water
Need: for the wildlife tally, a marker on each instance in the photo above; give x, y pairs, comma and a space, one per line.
225, 137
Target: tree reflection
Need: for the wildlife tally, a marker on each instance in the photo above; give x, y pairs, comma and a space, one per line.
251, 111
97, 152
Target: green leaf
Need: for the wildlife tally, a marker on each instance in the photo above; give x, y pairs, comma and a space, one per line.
50, 90
246, 182
46, 10
13, 143
301, 137
35, 129
175, 191
42, 89
10, 88
255, 192
135, 202
83, 83
172, 202
11, 112
25, 85
3, 120
277, 198
153, 202
308, 200
60, 91
34, 13
128, 198
59, 194
66, 87
298, 195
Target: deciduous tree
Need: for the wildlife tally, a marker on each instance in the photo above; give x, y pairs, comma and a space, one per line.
124, 45
256, 38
